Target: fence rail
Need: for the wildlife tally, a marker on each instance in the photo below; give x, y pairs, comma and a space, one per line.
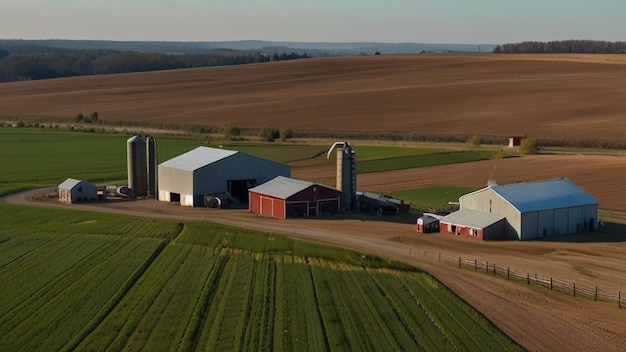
507, 272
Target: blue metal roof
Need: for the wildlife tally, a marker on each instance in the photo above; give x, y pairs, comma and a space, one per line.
197, 158
541, 195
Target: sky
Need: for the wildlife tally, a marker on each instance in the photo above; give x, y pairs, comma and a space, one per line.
390, 21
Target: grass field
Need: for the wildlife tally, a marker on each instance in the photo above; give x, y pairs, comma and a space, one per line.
94, 281
432, 197
43, 157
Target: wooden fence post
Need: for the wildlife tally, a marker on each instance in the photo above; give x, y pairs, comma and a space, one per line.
508, 272
574, 287
595, 295
619, 300
475, 264
494, 268
528, 278
459, 262
550, 283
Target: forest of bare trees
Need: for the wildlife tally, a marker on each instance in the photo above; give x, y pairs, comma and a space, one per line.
54, 63
563, 46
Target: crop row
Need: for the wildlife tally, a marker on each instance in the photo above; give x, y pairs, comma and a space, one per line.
59, 223
67, 290
462, 324
215, 287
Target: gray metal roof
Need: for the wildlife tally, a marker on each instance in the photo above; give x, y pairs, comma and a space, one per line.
541, 195
472, 218
197, 158
283, 187
69, 183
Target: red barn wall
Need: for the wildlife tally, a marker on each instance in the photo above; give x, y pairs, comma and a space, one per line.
462, 231
305, 203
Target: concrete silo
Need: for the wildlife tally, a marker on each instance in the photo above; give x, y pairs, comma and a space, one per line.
346, 174
152, 167
137, 166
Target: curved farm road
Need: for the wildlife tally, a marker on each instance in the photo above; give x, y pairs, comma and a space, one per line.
535, 317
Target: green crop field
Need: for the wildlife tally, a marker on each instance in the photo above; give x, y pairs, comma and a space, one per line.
42, 157
422, 160
432, 197
75, 280
34, 157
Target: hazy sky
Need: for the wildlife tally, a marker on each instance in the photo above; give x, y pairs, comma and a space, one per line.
417, 21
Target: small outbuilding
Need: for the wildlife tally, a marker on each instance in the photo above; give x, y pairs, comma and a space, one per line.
76, 191
473, 224
428, 223
190, 177
284, 197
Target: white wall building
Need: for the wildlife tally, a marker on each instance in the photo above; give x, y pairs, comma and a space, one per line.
76, 191
532, 210
187, 178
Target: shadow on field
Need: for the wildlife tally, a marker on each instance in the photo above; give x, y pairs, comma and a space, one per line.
612, 232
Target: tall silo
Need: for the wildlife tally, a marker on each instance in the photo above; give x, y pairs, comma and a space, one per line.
346, 174
137, 168
152, 167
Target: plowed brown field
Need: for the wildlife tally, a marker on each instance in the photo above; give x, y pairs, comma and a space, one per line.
600, 175
552, 96
566, 96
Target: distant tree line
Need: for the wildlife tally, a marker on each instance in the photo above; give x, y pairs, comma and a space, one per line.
563, 46
55, 63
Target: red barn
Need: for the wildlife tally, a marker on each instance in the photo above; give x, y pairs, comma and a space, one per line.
284, 197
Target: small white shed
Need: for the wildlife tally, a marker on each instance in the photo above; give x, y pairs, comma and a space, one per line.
76, 191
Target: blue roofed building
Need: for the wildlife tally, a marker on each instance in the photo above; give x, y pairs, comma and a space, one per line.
531, 210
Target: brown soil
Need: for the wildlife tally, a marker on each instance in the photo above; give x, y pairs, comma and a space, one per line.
600, 175
579, 97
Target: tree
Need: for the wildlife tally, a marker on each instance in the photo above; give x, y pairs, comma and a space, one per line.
268, 134
475, 141
377, 53
231, 131
94, 117
286, 133
80, 117
528, 146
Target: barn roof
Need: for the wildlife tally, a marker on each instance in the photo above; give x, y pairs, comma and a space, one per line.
69, 183
541, 195
283, 187
197, 158
472, 218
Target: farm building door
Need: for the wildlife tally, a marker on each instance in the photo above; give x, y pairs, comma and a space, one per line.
238, 189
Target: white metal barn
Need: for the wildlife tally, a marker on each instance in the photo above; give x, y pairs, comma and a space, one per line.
537, 209
187, 178
76, 191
